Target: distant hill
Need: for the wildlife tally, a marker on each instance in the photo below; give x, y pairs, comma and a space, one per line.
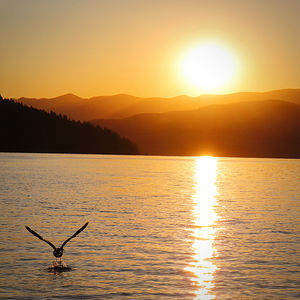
123, 106
268, 128
25, 129
82, 109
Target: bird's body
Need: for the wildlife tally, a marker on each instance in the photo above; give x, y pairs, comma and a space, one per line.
57, 251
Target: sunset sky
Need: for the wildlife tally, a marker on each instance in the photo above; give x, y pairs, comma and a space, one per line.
90, 48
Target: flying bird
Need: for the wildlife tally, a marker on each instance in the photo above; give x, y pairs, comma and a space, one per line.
57, 252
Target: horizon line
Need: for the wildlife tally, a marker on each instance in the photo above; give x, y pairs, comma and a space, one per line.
150, 97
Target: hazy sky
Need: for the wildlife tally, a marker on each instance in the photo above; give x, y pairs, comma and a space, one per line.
94, 47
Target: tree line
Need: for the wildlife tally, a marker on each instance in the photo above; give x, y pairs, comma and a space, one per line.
26, 129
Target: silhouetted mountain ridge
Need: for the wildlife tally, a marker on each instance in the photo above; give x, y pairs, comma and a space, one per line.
268, 128
123, 105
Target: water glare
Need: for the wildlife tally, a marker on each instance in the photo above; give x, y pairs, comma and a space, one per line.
204, 232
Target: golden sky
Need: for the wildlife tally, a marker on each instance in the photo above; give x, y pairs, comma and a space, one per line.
94, 47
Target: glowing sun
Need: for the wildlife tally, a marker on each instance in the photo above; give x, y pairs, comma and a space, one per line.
208, 67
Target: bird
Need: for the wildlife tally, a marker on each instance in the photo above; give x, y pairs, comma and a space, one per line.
57, 252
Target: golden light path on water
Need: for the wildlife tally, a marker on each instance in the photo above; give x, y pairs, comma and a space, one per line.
204, 232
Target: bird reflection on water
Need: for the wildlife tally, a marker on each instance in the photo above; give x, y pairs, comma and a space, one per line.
58, 265
203, 231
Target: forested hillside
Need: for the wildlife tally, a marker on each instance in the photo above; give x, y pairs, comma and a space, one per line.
26, 129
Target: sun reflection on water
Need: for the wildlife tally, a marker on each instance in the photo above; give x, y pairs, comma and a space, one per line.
203, 231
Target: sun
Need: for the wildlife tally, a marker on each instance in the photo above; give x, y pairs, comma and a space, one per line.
208, 67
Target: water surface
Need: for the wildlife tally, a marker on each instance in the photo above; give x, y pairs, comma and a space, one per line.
160, 227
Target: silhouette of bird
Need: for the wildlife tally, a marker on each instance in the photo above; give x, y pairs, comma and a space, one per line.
57, 252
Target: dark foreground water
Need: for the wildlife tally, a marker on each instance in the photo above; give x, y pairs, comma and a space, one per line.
159, 227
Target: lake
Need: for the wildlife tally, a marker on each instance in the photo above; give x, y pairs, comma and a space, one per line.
159, 227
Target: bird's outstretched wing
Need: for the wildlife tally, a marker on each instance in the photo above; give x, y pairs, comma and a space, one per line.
77, 232
38, 236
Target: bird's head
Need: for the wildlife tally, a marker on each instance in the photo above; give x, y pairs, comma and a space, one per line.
58, 252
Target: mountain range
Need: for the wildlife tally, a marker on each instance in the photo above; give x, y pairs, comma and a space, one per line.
269, 128
240, 124
123, 106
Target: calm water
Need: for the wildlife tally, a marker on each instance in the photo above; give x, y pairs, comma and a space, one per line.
160, 227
